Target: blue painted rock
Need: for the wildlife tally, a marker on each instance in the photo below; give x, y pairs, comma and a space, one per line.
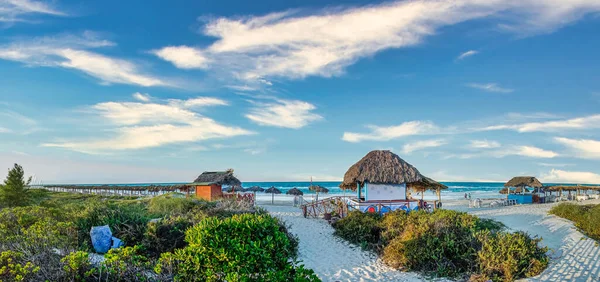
101, 238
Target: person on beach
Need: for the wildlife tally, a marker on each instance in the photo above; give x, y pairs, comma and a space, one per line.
465, 196
469, 196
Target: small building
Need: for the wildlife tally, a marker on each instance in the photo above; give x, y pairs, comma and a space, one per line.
209, 185
382, 181
520, 193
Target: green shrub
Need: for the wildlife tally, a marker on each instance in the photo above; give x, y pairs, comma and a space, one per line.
77, 267
127, 222
170, 204
509, 256
125, 264
359, 228
14, 268
168, 234
440, 243
243, 247
584, 217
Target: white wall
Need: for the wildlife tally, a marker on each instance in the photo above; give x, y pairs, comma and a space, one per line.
385, 192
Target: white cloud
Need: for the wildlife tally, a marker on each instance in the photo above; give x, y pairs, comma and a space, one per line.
4, 130
490, 87
141, 97
381, 133
554, 164
484, 144
69, 51
18, 10
467, 54
525, 151
424, 144
577, 177
283, 113
183, 57
583, 148
146, 125
588, 122
294, 45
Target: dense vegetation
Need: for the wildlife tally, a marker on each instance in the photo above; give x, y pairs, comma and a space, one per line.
446, 243
167, 238
584, 217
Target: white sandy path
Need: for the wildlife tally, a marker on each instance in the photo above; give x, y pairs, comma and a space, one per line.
574, 257
331, 258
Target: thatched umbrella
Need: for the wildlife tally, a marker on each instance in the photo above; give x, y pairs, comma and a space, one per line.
295, 191
425, 184
255, 189
273, 190
318, 189
522, 182
380, 167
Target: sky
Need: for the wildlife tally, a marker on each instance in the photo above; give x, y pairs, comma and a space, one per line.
150, 91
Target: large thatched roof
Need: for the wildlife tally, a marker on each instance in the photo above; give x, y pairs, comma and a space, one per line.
572, 188
382, 167
520, 181
219, 177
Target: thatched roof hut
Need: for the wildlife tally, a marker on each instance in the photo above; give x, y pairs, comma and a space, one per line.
255, 189
219, 177
382, 167
318, 189
524, 181
295, 191
273, 190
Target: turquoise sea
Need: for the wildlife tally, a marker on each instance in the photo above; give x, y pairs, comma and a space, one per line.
456, 190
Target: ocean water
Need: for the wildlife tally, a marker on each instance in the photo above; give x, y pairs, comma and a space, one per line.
456, 190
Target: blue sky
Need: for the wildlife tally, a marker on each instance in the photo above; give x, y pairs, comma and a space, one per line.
149, 91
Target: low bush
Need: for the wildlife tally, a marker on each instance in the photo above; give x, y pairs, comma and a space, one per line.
170, 204
126, 264
584, 217
509, 256
168, 234
13, 267
127, 222
359, 228
244, 247
77, 266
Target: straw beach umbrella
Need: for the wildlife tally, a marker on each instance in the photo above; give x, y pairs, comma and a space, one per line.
255, 189
273, 190
318, 189
295, 191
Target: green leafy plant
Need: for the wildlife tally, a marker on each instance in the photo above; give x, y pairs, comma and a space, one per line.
244, 247
125, 264
14, 268
359, 228
584, 217
509, 256
14, 192
77, 267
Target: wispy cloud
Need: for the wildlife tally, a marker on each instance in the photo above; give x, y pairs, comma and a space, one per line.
467, 54
587, 122
483, 144
554, 164
490, 87
582, 148
141, 97
294, 45
72, 52
423, 144
525, 151
12, 11
386, 133
146, 125
4, 130
577, 177
283, 113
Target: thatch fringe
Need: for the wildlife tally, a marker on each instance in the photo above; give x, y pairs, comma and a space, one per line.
219, 177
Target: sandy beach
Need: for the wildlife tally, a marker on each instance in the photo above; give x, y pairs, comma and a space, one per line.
574, 257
